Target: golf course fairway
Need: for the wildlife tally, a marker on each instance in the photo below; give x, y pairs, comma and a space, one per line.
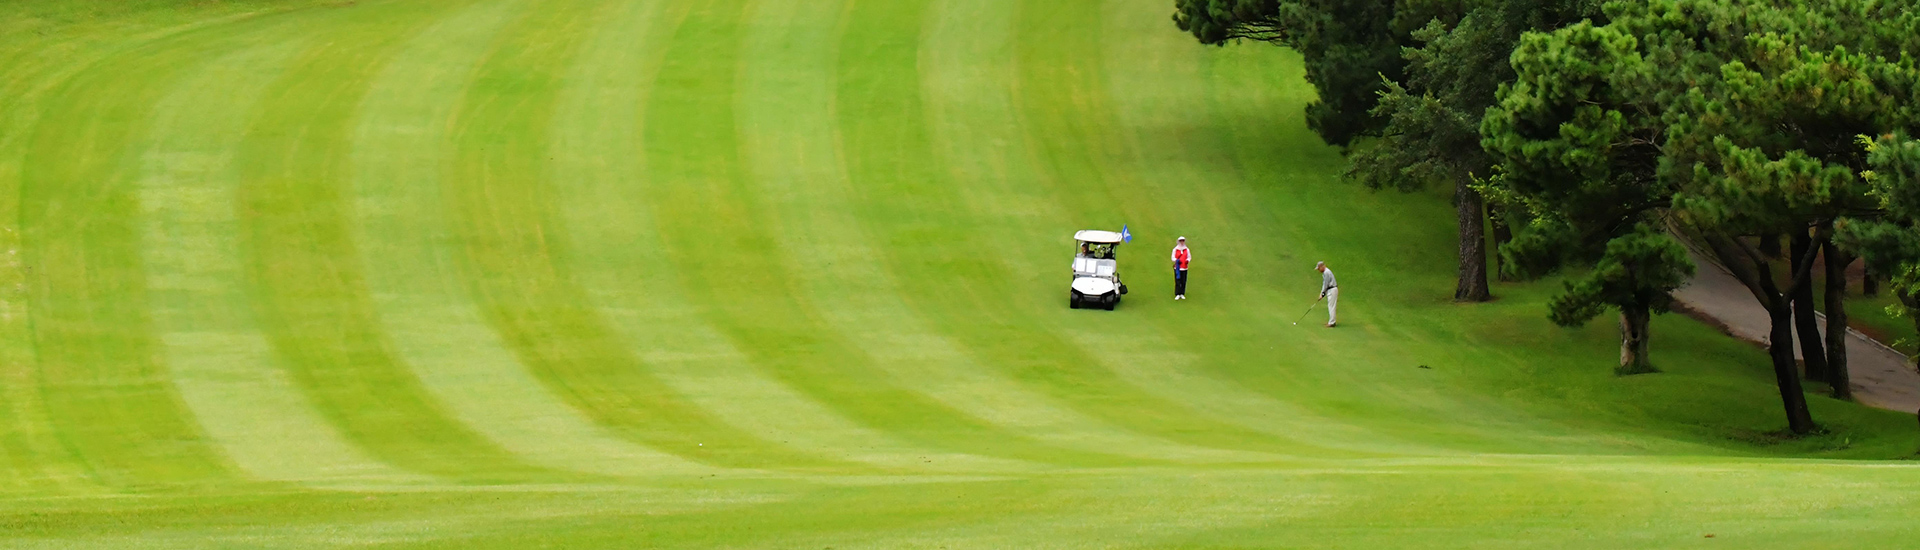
794, 274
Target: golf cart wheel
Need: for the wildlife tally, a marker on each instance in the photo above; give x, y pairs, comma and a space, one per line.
1073, 303
1112, 301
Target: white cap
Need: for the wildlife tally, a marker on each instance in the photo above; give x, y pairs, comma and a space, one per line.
1182, 238
1320, 265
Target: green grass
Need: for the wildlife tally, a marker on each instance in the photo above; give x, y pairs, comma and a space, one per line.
1882, 318
523, 273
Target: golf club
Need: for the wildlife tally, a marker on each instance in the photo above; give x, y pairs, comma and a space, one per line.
1303, 314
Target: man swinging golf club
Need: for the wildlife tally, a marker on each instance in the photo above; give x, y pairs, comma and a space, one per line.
1328, 290
1180, 258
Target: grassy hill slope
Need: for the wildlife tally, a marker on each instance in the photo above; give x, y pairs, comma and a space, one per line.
511, 273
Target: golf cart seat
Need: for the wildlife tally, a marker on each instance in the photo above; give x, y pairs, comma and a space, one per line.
1095, 266
1105, 268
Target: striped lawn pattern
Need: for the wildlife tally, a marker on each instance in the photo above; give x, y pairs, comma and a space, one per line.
513, 273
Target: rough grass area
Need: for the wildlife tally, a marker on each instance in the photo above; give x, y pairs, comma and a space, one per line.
611, 273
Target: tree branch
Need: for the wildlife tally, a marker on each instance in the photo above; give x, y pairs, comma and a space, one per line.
1741, 259
1803, 267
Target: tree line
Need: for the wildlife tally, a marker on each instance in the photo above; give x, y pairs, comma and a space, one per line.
1598, 138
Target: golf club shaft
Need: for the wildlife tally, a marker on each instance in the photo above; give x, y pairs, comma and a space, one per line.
1303, 314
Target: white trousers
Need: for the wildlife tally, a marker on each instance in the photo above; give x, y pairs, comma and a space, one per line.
1333, 304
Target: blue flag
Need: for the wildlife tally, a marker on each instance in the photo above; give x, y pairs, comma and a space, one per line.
1125, 236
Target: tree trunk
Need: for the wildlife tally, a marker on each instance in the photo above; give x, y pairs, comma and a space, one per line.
1869, 281
1780, 350
1633, 341
1912, 304
1749, 265
1502, 234
1473, 253
1838, 376
1808, 328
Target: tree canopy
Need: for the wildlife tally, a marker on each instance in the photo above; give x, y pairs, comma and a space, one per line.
1605, 130
1892, 239
1731, 118
1432, 133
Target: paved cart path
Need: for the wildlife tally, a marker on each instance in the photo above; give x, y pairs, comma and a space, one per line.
1882, 377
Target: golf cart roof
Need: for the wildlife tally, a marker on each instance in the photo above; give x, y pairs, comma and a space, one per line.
1097, 236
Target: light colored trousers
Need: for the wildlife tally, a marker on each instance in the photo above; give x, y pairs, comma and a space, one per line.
1333, 303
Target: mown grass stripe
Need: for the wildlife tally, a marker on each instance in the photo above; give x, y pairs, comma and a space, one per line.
787, 94
596, 157
36, 59
703, 202
785, 100
403, 227
518, 264
220, 361
597, 128
109, 400
32, 457
307, 281
974, 126
910, 206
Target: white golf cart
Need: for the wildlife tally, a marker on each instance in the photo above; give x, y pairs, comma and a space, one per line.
1096, 277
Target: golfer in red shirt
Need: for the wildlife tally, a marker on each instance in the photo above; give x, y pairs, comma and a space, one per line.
1181, 256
